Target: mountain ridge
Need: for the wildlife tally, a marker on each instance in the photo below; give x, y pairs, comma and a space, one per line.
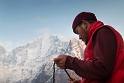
26, 63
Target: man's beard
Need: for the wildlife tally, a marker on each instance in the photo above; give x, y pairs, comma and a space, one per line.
86, 42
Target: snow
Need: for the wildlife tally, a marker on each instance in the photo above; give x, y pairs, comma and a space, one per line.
25, 62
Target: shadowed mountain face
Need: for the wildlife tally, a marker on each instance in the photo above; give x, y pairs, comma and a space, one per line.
33, 63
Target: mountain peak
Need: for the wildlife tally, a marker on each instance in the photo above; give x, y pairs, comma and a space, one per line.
25, 63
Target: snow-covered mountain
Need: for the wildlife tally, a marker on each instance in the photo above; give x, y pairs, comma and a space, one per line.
2, 50
33, 62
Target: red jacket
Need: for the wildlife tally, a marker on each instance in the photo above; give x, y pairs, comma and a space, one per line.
103, 58
118, 72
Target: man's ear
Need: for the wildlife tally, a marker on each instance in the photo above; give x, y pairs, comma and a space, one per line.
85, 23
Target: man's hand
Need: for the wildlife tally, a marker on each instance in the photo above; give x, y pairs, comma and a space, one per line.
60, 61
75, 80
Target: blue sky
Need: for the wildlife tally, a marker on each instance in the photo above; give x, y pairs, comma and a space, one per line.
25, 20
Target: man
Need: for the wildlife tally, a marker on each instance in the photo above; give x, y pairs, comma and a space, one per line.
104, 53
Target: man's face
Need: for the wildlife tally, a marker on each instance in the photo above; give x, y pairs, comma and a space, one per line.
82, 32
